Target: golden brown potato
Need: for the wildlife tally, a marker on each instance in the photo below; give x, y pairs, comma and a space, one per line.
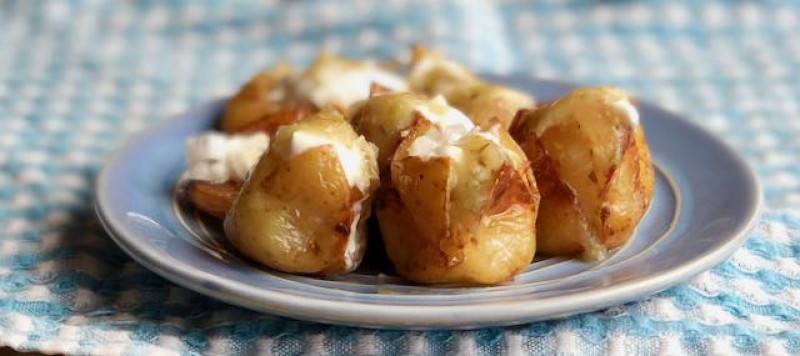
486, 104
279, 96
303, 208
461, 207
270, 123
432, 74
212, 198
489, 104
383, 118
261, 96
341, 82
592, 165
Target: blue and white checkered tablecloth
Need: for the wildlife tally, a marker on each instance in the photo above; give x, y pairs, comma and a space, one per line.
77, 77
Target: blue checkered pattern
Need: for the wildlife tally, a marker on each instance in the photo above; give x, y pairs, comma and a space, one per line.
77, 77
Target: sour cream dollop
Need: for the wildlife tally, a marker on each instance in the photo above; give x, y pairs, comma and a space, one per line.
218, 158
350, 157
333, 81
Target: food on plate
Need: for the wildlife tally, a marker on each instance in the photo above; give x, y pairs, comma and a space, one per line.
217, 164
270, 123
214, 199
271, 99
263, 97
468, 178
592, 165
340, 82
384, 118
304, 206
485, 103
280, 96
218, 158
461, 206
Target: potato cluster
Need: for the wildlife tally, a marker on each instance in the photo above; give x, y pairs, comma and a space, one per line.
467, 179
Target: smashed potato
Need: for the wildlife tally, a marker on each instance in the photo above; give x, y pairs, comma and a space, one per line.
469, 179
486, 104
382, 119
461, 207
592, 165
303, 208
489, 104
214, 199
341, 82
279, 96
270, 123
261, 97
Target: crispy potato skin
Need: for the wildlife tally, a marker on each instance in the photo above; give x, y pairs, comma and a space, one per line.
484, 103
469, 222
488, 104
270, 123
382, 118
593, 169
253, 102
294, 214
211, 198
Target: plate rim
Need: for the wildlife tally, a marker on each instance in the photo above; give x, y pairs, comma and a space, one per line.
393, 316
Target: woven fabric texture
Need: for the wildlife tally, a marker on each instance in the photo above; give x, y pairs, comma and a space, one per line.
77, 77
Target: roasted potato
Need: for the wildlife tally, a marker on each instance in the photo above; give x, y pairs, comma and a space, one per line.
279, 96
214, 199
221, 158
461, 207
432, 74
217, 164
383, 118
270, 123
486, 104
262, 96
340, 82
489, 104
592, 165
303, 208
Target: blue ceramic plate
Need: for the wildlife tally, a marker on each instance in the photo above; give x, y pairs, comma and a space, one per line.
706, 199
